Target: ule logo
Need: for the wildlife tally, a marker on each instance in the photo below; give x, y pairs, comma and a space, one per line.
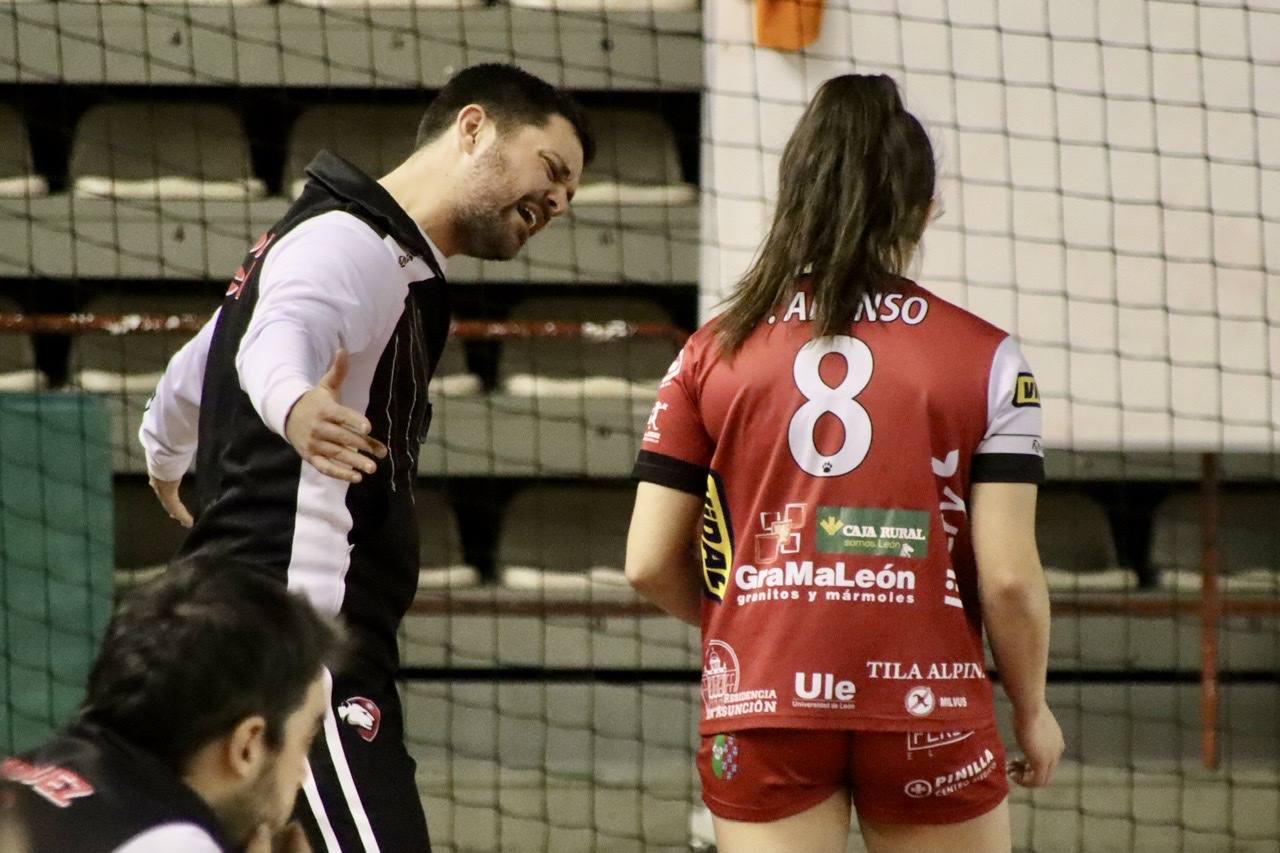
363, 714
782, 533
724, 757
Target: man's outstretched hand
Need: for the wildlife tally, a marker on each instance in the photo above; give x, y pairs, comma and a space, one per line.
332, 437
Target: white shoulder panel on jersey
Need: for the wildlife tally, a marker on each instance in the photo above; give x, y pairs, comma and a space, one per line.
1013, 404
170, 838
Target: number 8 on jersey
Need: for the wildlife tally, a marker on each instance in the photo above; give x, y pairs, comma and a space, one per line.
821, 399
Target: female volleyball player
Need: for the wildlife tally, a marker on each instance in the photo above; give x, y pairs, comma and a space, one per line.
859, 462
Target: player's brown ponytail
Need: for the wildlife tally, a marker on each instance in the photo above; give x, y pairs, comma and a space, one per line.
854, 188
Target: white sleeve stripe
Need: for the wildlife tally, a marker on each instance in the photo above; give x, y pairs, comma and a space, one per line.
346, 781
312, 793
170, 837
1010, 444
1011, 428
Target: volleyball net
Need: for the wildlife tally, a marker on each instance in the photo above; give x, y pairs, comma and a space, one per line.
1109, 193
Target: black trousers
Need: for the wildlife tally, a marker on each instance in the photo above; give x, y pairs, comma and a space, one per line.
364, 795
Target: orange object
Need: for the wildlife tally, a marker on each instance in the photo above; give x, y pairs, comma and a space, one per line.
788, 24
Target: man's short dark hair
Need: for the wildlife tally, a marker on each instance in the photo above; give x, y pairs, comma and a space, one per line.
514, 98
190, 655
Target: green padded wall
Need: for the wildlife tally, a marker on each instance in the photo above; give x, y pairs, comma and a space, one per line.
55, 557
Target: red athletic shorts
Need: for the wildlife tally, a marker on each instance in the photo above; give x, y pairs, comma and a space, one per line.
762, 775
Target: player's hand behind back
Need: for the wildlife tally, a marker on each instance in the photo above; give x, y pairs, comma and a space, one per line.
291, 839
167, 492
1040, 739
333, 438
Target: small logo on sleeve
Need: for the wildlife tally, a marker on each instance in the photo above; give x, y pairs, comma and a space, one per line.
363, 715
1026, 392
651, 429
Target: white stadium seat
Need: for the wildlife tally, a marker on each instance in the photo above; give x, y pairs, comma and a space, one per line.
1248, 543
442, 565
1077, 547
636, 162
565, 539
126, 368
132, 363
158, 151
374, 139
452, 377
581, 368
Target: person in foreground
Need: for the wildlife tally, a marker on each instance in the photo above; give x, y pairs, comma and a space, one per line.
193, 736
304, 402
856, 462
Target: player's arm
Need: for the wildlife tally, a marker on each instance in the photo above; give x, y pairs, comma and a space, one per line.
171, 422
661, 563
672, 469
1015, 610
320, 295
1008, 467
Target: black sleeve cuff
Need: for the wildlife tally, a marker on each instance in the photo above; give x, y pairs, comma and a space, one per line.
1007, 468
670, 472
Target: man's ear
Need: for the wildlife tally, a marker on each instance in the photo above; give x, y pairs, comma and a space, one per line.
472, 125
246, 749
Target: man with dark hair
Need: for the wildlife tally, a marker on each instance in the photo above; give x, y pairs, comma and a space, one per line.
304, 403
201, 707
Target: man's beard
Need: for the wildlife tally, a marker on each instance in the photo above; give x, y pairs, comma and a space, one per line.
483, 227
243, 813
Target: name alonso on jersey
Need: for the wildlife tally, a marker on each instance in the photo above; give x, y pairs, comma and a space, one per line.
836, 583
881, 308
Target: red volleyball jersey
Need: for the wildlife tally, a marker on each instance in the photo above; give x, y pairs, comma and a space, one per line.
840, 581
